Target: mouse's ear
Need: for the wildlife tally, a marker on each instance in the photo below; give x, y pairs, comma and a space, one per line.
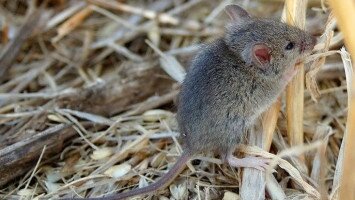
261, 55
236, 13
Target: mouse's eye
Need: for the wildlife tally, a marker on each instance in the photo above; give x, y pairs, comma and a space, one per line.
290, 46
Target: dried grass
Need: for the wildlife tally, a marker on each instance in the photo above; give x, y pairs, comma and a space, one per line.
295, 12
344, 12
87, 107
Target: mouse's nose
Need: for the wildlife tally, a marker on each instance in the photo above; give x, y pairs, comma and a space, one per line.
314, 41
302, 46
308, 44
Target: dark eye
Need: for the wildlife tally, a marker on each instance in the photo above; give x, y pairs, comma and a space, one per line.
290, 46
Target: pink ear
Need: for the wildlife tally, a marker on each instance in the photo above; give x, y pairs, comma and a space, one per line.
261, 54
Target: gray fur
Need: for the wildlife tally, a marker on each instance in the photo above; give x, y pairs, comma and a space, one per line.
225, 90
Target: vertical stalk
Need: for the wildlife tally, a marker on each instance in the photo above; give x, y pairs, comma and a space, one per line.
344, 11
296, 16
269, 122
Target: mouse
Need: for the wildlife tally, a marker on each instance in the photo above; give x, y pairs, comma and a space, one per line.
228, 85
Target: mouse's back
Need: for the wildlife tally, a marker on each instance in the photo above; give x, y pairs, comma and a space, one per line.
204, 97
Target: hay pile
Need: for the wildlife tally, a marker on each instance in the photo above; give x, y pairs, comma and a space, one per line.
87, 102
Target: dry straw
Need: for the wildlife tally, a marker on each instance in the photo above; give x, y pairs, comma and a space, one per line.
96, 84
295, 15
344, 11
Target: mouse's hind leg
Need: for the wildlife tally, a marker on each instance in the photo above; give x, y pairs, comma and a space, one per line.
250, 161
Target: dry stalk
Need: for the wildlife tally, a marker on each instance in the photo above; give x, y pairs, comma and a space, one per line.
295, 15
253, 179
269, 122
69, 25
344, 11
9, 54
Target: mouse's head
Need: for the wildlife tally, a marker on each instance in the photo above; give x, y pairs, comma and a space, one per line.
270, 47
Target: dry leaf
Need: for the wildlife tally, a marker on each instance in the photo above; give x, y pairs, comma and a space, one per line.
26, 192
101, 153
118, 171
178, 191
230, 196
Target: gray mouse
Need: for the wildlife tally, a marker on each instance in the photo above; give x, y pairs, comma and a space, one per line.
229, 84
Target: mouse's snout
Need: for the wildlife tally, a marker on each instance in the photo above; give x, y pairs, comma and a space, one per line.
308, 44
313, 42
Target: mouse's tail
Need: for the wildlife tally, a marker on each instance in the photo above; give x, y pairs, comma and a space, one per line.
163, 182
